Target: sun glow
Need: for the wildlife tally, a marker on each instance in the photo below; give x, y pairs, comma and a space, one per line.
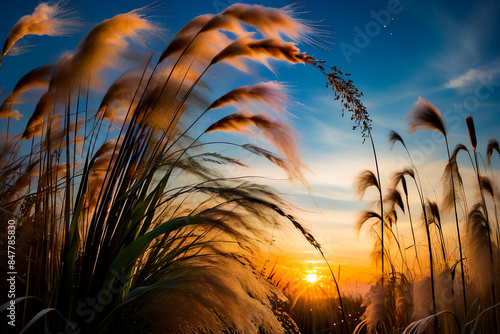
312, 278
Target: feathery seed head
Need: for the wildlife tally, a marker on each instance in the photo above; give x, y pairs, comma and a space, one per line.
52, 20
395, 137
492, 146
425, 116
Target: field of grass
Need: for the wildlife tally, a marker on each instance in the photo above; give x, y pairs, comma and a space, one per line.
118, 198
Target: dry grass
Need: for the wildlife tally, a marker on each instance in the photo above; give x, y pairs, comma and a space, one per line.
122, 204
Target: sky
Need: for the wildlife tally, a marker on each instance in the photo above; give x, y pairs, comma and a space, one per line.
396, 51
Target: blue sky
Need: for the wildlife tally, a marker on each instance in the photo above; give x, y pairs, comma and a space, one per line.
444, 51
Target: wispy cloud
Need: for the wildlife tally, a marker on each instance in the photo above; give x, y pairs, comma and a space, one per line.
473, 75
466, 45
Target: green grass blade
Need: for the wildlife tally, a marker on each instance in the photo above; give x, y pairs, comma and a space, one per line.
137, 247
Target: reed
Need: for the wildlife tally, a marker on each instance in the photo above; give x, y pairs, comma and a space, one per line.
479, 248
472, 135
124, 210
425, 116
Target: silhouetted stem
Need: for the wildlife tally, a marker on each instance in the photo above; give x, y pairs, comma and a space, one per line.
493, 297
338, 292
381, 203
458, 230
413, 235
431, 261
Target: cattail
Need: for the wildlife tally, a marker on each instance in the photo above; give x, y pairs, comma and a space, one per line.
472, 131
479, 216
405, 187
425, 116
51, 20
492, 145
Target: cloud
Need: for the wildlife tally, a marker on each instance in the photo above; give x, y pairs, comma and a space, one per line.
463, 45
472, 76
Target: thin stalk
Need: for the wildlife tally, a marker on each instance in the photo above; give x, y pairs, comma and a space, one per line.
413, 234
431, 260
381, 204
68, 171
346, 326
493, 297
8, 126
443, 244
458, 230
431, 263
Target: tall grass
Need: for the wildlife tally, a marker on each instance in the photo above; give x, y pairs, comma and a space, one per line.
127, 220
441, 300
426, 116
482, 184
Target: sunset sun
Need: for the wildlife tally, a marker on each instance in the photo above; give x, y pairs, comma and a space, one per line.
312, 278
250, 166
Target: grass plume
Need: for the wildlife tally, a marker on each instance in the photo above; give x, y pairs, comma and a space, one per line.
52, 20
